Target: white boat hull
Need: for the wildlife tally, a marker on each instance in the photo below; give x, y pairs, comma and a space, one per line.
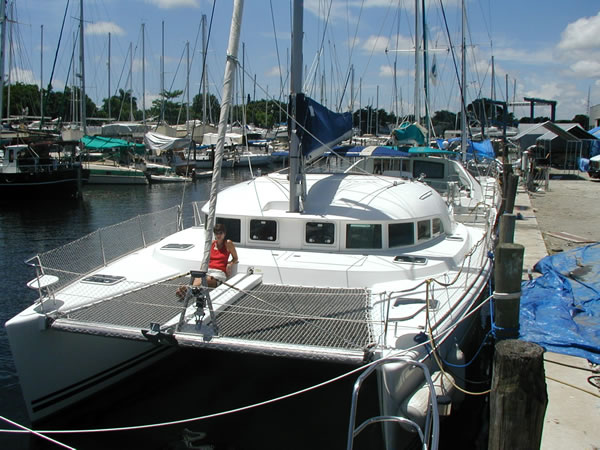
65, 368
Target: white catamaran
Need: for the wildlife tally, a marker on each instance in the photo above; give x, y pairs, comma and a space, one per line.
366, 269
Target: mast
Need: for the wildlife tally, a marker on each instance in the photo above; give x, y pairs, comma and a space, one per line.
295, 88
41, 77
143, 74
109, 76
2, 43
228, 79
417, 105
82, 66
162, 74
463, 100
425, 74
131, 82
10, 52
204, 99
187, 88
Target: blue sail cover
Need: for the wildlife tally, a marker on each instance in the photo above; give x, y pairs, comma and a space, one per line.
561, 309
320, 129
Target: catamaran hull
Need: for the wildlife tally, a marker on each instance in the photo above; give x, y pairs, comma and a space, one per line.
58, 369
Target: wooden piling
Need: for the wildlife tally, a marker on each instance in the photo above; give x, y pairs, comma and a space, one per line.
508, 272
518, 398
506, 233
511, 192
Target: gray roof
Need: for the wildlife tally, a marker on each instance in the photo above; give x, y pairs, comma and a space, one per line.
549, 130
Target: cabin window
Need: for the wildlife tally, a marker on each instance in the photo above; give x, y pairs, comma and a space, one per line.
363, 235
263, 230
400, 234
320, 233
430, 169
436, 227
423, 229
233, 227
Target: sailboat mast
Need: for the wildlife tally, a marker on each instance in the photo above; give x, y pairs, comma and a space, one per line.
463, 100
131, 82
228, 80
295, 89
41, 77
2, 43
109, 112
82, 67
204, 78
187, 87
417, 105
143, 74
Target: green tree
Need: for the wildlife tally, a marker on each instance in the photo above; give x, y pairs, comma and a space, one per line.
582, 120
213, 109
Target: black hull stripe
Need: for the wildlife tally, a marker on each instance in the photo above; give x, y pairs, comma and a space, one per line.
94, 380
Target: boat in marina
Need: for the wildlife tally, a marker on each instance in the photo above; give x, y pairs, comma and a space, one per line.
367, 269
43, 169
160, 173
111, 172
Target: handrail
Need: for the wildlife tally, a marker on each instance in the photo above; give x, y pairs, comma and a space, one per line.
353, 431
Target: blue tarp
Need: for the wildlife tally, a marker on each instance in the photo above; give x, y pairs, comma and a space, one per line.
481, 149
561, 309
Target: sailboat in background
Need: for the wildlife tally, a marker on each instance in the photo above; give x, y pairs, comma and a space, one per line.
366, 270
47, 168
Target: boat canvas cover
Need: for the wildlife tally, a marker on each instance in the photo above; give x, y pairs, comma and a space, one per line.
410, 133
319, 128
561, 309
158, 143
101, 143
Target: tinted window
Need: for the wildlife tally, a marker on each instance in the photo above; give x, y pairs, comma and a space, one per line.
430, 169
320, 233
401, 234
423, 229
263, 230
233, 228
362, 235
437, 227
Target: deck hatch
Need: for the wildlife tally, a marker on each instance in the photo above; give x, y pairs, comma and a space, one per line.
103, 279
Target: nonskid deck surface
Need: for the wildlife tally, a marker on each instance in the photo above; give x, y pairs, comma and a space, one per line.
334, 318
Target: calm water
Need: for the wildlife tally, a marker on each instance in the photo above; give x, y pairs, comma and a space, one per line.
188, 384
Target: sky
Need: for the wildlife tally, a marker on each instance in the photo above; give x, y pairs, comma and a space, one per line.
543, 49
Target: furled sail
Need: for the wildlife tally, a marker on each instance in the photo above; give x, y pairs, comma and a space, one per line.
320, 129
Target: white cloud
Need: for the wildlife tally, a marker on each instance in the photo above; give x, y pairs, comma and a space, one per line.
524, 56
104, 28
582, 34
273, 72
23, 76
168, 4
379, 44
587, 68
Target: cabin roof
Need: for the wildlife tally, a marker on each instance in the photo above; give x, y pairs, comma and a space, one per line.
334, 196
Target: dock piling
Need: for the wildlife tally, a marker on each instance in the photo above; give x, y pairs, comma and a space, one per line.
518, 398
